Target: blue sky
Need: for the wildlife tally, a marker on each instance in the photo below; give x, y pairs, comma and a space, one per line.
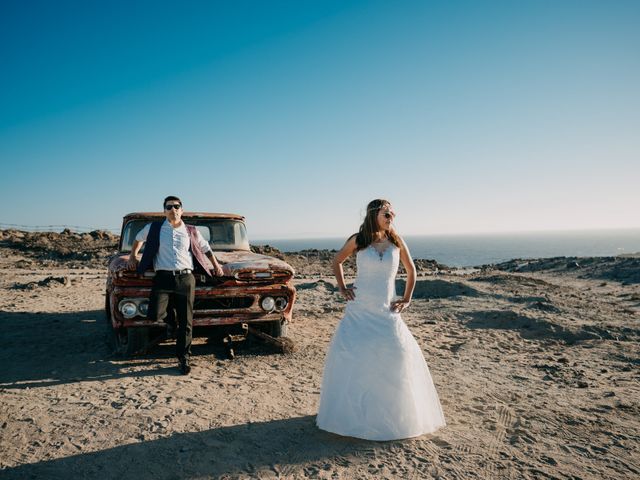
469, 116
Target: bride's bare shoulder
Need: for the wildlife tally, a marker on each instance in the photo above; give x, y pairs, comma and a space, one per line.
403, 245
351, 242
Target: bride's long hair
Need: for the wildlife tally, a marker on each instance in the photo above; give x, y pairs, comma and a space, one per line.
369, 227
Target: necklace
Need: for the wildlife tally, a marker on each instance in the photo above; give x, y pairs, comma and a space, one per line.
382, 251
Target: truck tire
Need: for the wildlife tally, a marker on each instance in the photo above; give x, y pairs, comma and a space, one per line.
132, 340
277, 328
109, 331
125, 341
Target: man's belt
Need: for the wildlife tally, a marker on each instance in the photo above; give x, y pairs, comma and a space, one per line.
184, 271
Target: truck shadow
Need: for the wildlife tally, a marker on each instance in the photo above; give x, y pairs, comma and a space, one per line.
44, 349
275, 448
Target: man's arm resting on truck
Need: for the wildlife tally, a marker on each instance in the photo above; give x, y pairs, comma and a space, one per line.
132, 264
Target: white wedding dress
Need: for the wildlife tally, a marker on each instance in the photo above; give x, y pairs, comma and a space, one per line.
376, 383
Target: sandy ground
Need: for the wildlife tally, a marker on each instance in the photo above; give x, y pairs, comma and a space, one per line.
537, 373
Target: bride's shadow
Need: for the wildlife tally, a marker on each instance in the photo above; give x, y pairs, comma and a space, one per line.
255, 450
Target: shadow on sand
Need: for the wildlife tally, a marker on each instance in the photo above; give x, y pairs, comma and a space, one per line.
439, 289
533, 328
255, 450
44, 349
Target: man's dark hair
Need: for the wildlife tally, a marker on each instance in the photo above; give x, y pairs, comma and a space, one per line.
171, 197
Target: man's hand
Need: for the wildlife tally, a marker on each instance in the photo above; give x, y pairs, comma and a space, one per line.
217, 270
132, 263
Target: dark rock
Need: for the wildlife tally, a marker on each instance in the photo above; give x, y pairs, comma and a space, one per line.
544, 306
267, 250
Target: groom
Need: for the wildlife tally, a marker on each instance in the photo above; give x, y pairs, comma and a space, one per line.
173, 248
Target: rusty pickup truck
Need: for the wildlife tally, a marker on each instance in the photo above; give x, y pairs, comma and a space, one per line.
255, 290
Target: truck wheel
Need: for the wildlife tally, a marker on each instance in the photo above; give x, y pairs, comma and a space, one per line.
111, 334
277, 329
127, 341
132, 340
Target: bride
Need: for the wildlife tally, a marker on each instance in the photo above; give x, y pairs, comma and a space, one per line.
376, 383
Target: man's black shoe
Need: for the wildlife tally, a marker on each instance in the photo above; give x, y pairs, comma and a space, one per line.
184, 366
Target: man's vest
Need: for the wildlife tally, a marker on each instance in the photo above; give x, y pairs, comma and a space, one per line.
153, 245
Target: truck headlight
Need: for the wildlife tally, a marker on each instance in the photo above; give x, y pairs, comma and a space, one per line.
128, 309
268, 303
281, 303
143, 308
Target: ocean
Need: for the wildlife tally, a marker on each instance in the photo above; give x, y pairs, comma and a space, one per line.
480, 249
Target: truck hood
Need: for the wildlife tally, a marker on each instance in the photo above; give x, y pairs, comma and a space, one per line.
243, 262
240, 264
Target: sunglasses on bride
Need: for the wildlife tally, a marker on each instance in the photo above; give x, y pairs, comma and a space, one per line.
387, 214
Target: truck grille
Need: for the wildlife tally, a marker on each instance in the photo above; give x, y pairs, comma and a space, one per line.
222, 303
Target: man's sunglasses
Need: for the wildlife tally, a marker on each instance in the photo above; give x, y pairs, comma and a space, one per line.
177, 206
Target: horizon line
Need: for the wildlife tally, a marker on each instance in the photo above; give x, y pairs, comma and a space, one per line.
307, 236
467, 233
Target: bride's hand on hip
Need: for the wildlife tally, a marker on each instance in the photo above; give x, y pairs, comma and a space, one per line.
348, 293
399, 306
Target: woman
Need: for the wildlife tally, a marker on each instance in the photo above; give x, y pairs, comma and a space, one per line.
376, 383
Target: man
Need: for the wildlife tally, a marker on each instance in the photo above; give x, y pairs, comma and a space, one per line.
174, 249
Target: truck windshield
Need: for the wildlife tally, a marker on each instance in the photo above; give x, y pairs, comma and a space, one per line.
222, 234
